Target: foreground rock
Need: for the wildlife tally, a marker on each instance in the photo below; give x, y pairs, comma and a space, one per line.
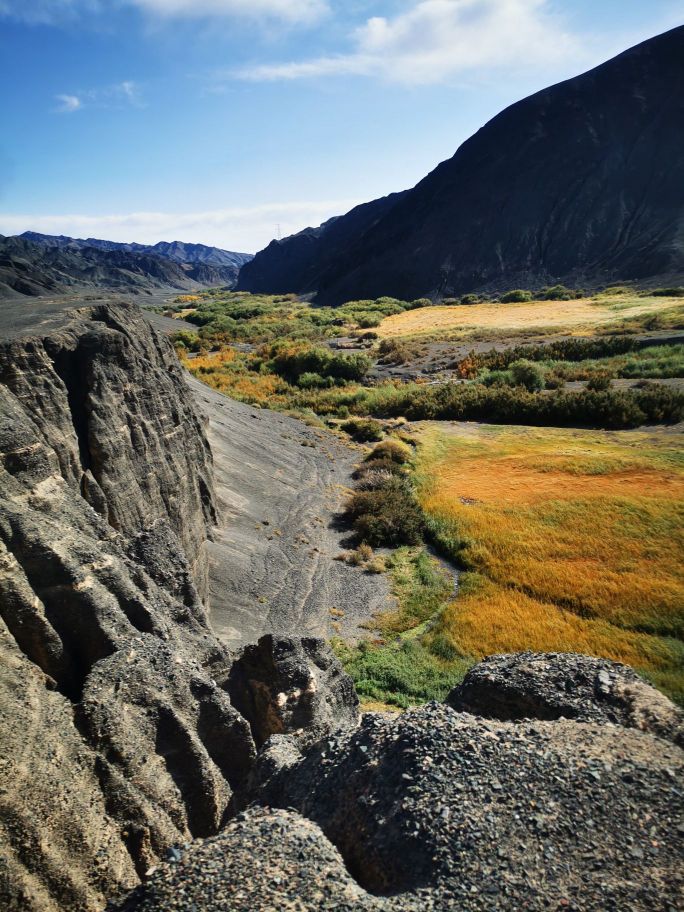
563, 685
436, 809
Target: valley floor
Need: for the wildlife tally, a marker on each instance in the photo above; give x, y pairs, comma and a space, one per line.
280, 486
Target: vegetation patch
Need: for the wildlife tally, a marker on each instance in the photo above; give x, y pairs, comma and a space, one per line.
571, 541
395, 668
482, 319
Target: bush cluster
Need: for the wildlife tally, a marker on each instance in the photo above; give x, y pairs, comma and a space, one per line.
293, 360
611, 409
561, 350
364, 430
383, 511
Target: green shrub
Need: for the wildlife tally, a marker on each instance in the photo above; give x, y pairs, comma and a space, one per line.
378, 468
559, 293
470, 299
391, 450
364, 430
676, 292
554, 381
387, 516
599, 381
517, 296
527, 374
314, 381
405, 675
498, 378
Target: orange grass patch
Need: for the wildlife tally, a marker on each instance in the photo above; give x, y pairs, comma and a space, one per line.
577, 538
532, 315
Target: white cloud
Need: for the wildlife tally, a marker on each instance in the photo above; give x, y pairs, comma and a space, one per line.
55, 11
285, 10
46, 12
245, 229
436, 40
67, 104
113, 96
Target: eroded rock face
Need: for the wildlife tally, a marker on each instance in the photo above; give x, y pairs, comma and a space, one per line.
117, 739
553, 685
292, 685
435, 809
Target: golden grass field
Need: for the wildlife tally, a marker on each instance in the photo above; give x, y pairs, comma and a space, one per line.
574, 539
531, 317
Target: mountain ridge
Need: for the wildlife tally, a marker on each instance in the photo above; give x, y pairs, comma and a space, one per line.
580, 182
33, 264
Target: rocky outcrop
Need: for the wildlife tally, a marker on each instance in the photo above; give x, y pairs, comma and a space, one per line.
119, 736
117, 740
292, 685
435, 809
579, 183
563, 685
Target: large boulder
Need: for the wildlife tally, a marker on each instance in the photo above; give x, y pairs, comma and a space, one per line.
284, 685
530, 685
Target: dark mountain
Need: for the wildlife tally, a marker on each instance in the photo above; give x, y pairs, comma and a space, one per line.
295, 263
582, 182
36, 264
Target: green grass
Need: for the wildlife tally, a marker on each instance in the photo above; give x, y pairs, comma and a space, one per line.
403, 674
396, 669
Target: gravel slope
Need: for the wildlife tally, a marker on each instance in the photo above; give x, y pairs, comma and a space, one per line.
279, 485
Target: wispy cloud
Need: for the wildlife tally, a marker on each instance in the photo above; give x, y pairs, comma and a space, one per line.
47, 12
53, 12
435, 40
67, 104
237, 228
120, 94
293, 11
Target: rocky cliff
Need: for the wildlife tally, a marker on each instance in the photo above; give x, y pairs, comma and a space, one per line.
580, 183
119, 738
441, 809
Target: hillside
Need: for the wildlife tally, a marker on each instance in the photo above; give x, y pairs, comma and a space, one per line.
35, 264
580, 183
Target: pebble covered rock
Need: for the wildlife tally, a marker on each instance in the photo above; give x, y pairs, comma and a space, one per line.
530, 685
435, 809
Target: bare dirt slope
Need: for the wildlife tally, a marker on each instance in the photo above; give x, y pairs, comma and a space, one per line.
280, 485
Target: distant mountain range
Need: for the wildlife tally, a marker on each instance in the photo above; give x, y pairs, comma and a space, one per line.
36, 264
581, 183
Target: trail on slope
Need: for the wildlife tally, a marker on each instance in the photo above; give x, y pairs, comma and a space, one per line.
280, 485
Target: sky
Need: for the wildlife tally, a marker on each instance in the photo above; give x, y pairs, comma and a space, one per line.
230, 122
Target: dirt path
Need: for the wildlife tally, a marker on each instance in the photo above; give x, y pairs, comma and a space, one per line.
280, 485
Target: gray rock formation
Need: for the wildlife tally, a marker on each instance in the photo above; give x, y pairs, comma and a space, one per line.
435, 809
531, 685
292, 685
119, 738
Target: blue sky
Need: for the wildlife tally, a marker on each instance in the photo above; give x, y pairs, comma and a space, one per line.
218, 120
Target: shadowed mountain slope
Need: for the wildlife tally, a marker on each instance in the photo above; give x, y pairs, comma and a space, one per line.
582, 182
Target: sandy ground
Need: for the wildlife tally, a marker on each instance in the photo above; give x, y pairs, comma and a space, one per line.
280, 485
